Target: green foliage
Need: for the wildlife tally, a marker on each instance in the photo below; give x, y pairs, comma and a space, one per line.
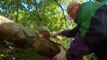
34, 13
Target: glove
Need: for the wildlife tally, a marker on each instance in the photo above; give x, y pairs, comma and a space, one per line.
61, 55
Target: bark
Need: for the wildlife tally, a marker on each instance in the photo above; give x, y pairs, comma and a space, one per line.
18, 34
15, 32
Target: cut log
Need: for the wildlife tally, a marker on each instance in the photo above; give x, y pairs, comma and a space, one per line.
18, 34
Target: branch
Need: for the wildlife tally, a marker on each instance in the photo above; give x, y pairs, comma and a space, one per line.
40, 18
38, 12
62, 11
17, 10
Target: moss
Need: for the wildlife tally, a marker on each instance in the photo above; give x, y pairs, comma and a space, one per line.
12, 52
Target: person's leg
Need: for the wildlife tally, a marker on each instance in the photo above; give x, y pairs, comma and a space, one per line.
101, 50
101, 54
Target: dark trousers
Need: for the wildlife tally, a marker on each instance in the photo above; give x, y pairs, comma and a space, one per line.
100, 49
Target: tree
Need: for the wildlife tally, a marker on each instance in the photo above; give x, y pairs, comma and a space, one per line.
31, 14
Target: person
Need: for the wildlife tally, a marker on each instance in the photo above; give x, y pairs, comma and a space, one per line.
91, 30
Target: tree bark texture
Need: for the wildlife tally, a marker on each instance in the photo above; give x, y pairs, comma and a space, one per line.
16, 33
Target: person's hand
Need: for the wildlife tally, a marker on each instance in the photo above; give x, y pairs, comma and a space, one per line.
54, 34
61, 55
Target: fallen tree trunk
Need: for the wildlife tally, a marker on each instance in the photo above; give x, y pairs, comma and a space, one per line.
18, 34
15, 32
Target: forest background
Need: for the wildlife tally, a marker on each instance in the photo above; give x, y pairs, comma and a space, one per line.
33, 14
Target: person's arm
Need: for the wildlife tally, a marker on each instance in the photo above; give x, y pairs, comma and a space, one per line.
69, 32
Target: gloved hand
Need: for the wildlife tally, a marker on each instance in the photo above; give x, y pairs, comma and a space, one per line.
61, 55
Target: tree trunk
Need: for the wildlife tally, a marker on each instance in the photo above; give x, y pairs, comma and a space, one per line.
20, 35
15, 32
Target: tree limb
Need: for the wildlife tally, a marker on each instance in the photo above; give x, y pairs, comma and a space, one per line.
62, 11
17, 11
